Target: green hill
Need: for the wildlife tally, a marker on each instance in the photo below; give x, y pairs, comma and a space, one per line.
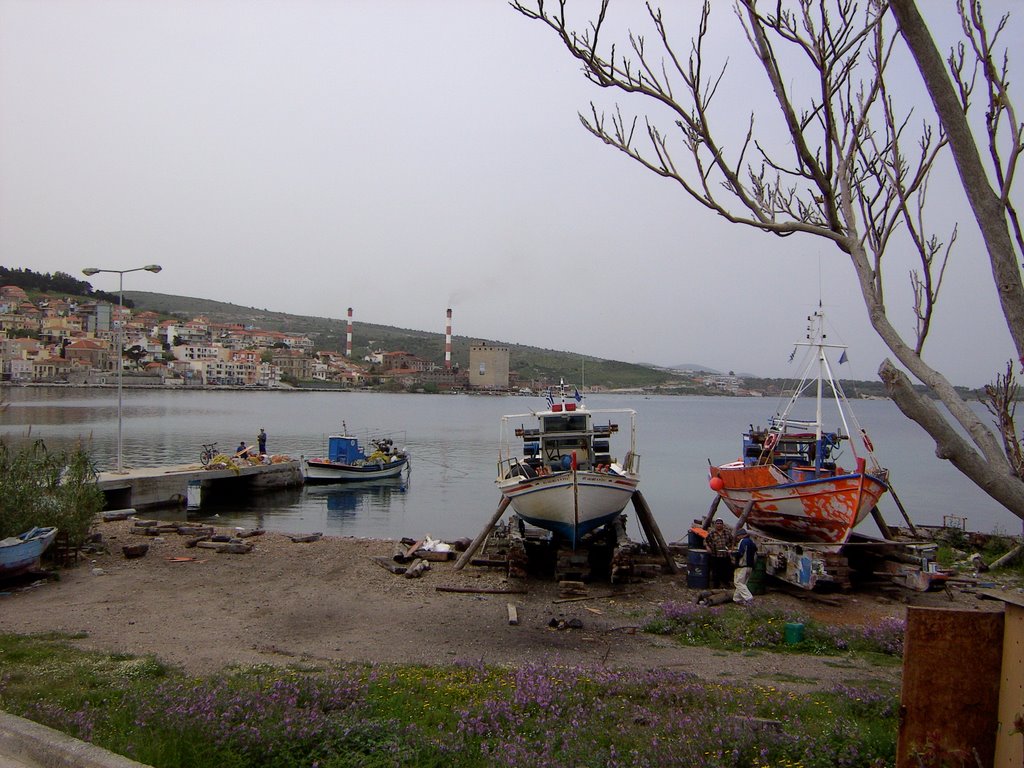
532, 364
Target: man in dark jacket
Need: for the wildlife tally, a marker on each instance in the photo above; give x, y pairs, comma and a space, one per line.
719, 544
746, 553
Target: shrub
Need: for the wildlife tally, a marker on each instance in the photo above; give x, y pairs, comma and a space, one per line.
41, 488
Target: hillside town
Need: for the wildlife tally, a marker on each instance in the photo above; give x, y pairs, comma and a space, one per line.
73, 341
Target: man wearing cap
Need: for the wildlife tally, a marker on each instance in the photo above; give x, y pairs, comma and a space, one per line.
745, 555
719, 544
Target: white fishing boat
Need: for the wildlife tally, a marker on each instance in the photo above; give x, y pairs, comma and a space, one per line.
21, 553
557, 469
347, 461
789, 482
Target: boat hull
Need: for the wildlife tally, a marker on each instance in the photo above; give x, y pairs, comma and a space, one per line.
825, 509
325, 471
21, 553
570, 504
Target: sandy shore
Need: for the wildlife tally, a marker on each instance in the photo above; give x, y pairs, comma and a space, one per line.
326, 601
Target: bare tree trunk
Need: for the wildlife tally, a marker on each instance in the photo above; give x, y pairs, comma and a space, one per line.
997, 479
988, 208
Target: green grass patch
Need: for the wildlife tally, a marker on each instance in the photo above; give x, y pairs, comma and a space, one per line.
733, 629
457, 716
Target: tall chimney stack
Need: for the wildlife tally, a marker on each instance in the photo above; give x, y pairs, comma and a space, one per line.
448, 342
348, 335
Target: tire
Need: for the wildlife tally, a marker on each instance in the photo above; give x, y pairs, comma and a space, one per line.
204, 458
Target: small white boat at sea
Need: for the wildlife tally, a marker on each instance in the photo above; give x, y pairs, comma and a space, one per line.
564, 476
347, 461
21, 553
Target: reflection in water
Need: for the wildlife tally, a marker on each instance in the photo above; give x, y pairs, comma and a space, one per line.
352, 509
353, 497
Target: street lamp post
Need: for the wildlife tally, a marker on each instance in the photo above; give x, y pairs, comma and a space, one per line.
120, 342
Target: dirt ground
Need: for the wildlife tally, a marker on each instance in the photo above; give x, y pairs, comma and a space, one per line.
323, 601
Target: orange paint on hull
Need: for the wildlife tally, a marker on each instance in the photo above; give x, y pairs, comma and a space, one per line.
826, 509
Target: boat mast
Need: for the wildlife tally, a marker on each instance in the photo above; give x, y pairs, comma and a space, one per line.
821, 373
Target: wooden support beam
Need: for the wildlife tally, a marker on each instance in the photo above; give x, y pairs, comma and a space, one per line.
650, 526
899, 504
711, 512
880, 521
743, 515
475, 544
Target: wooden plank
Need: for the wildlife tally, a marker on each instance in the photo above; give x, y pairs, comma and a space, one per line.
410, 551
433, 557
388, 565
1009, 743
609, 596
417, 569
118, 514
483, 590
955, 714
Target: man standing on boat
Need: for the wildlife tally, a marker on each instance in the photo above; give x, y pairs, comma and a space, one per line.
745, 556
261, 438
719, 543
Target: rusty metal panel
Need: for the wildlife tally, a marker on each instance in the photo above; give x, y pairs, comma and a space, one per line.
951, 670
1010, 745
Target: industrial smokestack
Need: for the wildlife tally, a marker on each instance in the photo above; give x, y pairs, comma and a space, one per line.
448, 341
348, 335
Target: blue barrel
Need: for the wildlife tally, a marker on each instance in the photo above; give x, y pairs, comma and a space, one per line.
697, 569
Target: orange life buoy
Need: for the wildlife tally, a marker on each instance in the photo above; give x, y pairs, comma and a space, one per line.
771, 441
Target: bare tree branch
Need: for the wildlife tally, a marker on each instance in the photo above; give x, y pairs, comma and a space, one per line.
854, 168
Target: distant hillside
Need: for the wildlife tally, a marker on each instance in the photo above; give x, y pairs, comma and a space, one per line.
690, 368
533, 364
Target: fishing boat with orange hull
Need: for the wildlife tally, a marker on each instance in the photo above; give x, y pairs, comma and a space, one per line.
789, 483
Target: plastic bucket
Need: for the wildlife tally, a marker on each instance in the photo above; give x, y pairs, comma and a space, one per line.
794, 633
697, 569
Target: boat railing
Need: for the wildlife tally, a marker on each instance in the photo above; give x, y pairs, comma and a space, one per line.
631, 463
515, 467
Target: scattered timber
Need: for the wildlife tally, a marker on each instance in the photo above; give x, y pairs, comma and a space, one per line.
607, 596
307, 538
132, 551
389, 565
417, 569
234, 548
483, 590
118, 514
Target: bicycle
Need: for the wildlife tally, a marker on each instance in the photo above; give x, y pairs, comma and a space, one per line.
206, 455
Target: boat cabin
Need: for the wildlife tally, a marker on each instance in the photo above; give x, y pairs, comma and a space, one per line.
565, 435
799, 454
344, 450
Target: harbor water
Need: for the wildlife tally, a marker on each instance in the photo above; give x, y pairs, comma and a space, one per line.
453, 440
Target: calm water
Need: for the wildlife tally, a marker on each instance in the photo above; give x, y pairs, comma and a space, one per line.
454, 443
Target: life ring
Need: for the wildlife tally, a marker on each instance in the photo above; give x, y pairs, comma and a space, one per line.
771, 441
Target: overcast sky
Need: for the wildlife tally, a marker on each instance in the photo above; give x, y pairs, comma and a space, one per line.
403, 157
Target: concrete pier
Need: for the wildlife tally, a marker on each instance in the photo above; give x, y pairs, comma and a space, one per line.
154, 487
